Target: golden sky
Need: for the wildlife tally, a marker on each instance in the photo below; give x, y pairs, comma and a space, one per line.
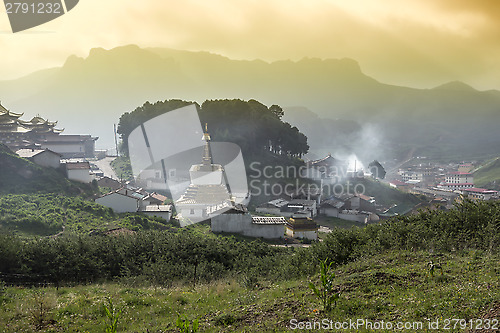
418, 43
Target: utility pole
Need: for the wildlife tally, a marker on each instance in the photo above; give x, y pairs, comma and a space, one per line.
116, 141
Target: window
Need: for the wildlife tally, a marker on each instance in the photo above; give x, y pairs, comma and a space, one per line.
191, 212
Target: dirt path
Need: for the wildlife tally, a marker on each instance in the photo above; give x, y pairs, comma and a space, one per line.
105, 166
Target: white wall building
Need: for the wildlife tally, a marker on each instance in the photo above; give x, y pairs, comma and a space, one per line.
126, 200
162, 211
458, 177
43, 157
120, 203
78, 171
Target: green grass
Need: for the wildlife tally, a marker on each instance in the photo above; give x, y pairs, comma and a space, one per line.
47, 214
335, 222
122, 168
394, 286
488, 175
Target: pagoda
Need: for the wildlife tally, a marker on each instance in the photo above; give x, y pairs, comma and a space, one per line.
208, 191
42, 133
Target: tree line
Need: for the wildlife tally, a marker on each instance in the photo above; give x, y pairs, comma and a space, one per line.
252, 125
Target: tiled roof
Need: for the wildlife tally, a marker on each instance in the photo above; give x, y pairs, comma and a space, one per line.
268, 220
77, 166
333, 203
480, 190
157, 208
28, 153
205, 194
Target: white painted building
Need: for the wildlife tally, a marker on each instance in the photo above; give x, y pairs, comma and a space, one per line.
120, 203
125, 200
78, 171
43, 157
458, 177
162, 211
71, 146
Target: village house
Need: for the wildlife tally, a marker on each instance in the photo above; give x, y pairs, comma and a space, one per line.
43, 157
307, 208
128, 199
78, 171
402, 186
271, 207
162, 211
331, 208
238, 220
108, 182
363, 202
157, 198
475, 193
124, 200
358, 208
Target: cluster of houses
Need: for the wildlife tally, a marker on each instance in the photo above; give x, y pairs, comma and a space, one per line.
79, 171
129, 199
442, 183
123, 198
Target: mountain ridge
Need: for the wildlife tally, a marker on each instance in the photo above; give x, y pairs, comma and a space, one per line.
89, 94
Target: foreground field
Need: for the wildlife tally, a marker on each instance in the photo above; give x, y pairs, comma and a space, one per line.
394, 287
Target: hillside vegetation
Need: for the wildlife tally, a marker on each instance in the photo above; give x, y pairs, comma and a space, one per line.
488, 175
50, 214
382, 272
19, 175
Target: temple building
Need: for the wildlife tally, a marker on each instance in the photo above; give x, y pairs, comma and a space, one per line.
302, 227
42, 134
208, 192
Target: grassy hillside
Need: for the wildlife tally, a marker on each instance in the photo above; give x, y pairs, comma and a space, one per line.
383, 193
393, 287
49, 214
488, 175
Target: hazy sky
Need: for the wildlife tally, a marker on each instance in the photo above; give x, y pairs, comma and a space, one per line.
420, 43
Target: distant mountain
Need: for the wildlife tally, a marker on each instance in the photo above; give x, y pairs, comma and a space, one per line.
455, 86
88, 95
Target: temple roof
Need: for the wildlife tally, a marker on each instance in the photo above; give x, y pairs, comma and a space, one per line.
9, 121
6, 113
205, 194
